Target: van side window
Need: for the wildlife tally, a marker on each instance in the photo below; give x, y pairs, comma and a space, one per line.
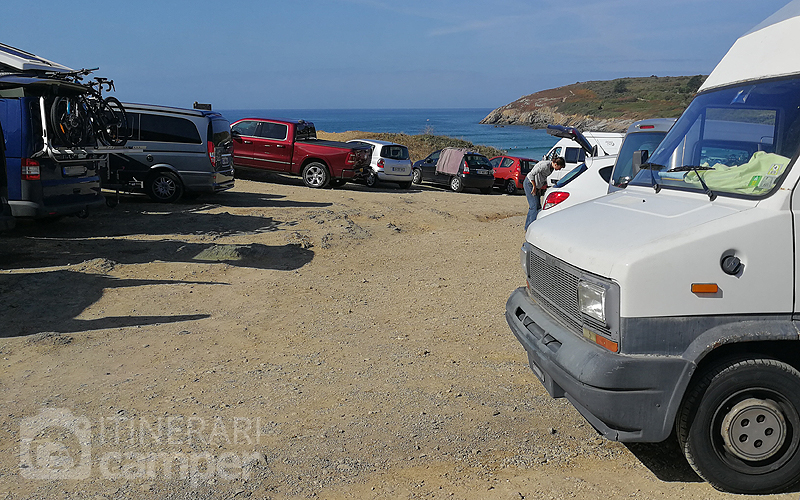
158, 128
275, 131
574, 155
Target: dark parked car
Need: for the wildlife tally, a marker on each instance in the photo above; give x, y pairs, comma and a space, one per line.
175, 152
457, 168
510, 171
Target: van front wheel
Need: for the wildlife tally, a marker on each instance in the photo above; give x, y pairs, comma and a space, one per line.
739, 426
164, 187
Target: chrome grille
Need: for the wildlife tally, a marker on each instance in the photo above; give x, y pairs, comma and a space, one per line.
554, 284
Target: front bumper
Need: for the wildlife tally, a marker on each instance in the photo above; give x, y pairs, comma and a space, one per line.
626, 398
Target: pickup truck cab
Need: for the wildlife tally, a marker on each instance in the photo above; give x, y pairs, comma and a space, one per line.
674, 305
292, 147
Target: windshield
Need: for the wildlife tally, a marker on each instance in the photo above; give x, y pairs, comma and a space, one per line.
733, 142
636, 141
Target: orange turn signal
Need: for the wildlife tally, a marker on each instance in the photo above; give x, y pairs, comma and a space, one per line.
705, 288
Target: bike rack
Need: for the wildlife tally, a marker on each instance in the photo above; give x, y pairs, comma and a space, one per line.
81, 154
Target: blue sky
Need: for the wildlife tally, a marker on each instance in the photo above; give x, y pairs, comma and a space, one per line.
312, 54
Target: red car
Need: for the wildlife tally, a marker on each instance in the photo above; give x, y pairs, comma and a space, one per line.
510, 171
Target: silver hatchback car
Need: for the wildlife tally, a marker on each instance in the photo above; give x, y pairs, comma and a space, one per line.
390, 163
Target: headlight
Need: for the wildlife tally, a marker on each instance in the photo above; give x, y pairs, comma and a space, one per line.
592, 300
523, 259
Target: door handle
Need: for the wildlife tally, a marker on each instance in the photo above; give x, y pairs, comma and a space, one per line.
247, 142
280, 146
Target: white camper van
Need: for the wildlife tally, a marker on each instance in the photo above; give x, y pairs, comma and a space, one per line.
675, 304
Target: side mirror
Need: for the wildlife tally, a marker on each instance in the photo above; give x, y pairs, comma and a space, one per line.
639, 158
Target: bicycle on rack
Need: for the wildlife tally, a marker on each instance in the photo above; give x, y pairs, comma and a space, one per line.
76, 119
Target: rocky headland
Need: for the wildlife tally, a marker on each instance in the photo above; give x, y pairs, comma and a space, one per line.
609, 106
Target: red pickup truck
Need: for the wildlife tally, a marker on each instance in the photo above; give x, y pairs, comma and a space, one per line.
291, 146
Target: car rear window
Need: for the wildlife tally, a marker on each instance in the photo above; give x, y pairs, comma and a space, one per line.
395, 152
219, 131
477, 161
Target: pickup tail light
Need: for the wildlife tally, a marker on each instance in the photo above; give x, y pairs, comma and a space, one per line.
351, 158
30, 170
212, 156
554, 199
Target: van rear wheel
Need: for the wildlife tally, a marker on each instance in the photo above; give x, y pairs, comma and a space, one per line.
739, 426
164, 187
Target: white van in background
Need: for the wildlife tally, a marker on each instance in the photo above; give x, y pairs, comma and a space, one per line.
575, 146
673, 306
601, 175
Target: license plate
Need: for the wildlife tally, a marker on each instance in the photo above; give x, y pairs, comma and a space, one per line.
482, 171
398, 169
74, 171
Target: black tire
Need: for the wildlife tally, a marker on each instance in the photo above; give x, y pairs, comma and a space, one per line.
404, 185
69, 121
456, 184
511, 187
164, 187
371, 179
113, 122
416, 176
739, 426
316, 175
335, 183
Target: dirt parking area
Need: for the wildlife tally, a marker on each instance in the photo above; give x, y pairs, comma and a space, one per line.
276, 341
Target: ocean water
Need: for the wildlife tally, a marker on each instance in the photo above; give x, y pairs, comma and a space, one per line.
458, 123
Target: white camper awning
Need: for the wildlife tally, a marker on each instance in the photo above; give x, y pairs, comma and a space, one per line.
767, 51
19, 60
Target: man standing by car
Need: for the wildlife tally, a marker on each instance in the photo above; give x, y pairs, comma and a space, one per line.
535, 184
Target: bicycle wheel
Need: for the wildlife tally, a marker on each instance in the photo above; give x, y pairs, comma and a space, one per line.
69, 121
113, 122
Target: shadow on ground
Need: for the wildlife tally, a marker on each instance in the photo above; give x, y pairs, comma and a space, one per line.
65, 294
34, 244
665, 460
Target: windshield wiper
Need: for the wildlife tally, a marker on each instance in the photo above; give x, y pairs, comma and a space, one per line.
651, 167
696, 169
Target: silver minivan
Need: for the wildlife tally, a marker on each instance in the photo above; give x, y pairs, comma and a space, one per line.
172, 153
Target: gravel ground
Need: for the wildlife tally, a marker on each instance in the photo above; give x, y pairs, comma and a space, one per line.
276, 341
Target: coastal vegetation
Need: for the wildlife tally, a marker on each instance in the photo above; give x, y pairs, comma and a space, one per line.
419, 145
608, 105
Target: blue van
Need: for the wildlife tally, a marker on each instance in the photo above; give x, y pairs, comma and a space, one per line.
45, 179
6, 219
